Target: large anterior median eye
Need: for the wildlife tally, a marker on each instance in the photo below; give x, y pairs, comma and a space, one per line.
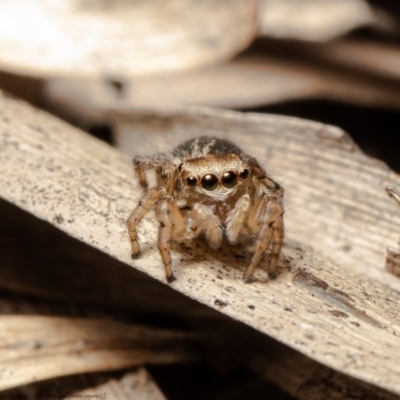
229, 179
209, 182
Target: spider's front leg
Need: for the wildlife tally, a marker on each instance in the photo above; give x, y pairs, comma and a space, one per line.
146, 202
171, 221
159, 163
266, 219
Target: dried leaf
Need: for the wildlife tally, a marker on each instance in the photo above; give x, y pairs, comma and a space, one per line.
34, 348
121, 39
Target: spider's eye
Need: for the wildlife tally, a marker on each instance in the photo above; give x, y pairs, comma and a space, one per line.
209, 182
191, 181
244, 173
229, 179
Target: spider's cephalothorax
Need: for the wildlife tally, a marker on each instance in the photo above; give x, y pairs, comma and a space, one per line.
208, 186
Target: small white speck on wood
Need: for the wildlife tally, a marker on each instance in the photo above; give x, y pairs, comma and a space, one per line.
332, 301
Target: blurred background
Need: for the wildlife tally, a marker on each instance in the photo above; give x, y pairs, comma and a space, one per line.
335, 62
92, 62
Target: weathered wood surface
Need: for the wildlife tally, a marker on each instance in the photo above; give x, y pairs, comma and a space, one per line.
330, 301
34, 348
121, 39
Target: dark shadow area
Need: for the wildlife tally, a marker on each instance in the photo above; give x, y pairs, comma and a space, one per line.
199, 382
102, 132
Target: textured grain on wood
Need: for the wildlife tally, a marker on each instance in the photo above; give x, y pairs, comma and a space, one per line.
113, 40
35, 348
324, 303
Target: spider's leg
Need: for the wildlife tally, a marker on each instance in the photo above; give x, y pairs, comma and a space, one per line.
147, 201
158, 162
170, 220
266, 219
277, 233
140, 168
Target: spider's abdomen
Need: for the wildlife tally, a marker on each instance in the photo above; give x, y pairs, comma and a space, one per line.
203, 146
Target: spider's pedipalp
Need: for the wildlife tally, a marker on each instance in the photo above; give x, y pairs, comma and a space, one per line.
206, 221
236, 218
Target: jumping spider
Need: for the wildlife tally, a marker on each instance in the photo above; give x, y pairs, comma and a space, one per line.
209, 186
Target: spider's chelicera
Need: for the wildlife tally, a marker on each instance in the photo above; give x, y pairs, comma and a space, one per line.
208, 186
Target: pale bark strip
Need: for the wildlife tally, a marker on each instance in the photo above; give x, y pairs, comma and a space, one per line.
34, 348
318, 21
125, 39
50, 169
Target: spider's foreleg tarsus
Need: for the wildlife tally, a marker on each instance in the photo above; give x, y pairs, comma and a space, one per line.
140, 167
